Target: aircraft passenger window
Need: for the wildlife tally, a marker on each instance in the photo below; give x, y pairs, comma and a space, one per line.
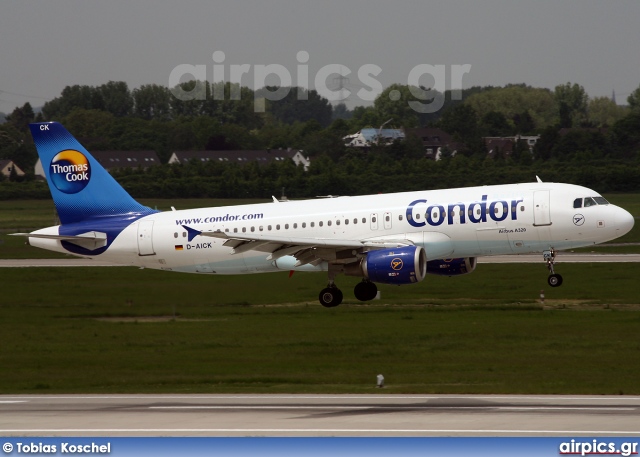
577, 203
313, 224
304, 225
400, 217
417, 216
175, 235
184, 234
601, 200
269, 227
244, 229
226, 230
364, 220
355, 220
373, 219
235, 230
277, 226
328, 223
470, 212
286, 226
338, 222
320, 224
295, 226
387, 218
589, 202
346, 222
522, 208
495, 210
253, 229
261, 228
478, 211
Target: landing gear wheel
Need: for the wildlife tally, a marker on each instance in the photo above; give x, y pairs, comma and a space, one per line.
555, 280
330, 297
365, 291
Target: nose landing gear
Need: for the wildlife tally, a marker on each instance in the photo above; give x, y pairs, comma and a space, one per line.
554, 279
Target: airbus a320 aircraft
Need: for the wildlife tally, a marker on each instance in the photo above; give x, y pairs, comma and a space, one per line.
391, 239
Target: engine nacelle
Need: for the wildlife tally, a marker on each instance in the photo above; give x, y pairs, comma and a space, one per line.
405, 265
451, 267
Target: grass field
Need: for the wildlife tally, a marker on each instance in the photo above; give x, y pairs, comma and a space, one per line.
126, 330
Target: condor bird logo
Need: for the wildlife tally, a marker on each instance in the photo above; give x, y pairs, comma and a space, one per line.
70, 171
397, 264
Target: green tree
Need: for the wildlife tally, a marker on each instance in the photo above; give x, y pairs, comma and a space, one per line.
407, 105
634, 99
572, 101
625, 136
187, 98
21, 117
495, 123
513, 101
151, 101
603, 112
85, 97
340, 111
116, 98
298, 104
462, 122
93, 127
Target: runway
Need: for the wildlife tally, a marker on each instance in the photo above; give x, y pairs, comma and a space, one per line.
319, 415
523, 258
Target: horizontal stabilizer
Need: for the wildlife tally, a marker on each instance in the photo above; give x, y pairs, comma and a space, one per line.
90, 240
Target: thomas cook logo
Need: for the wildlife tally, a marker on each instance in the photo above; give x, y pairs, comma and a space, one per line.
70, 171
397, 264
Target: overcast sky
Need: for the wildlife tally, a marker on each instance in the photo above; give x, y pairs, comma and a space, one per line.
45, 46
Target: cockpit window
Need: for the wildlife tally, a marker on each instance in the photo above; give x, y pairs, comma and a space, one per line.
577, 203
601, 200
589, 202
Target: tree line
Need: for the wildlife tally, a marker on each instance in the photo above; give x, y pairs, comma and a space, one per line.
592, 142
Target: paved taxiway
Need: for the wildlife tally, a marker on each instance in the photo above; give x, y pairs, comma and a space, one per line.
319, 415
525, 258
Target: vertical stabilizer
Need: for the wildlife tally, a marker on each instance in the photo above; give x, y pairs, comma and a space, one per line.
81, 188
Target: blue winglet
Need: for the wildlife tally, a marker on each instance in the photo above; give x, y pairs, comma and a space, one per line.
191, 233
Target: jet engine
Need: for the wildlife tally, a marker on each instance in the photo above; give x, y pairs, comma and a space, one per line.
451, 267
404, 265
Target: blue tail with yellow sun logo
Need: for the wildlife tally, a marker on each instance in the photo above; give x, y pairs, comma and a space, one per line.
81, 188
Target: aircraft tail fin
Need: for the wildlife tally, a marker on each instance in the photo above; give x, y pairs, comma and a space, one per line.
81, 188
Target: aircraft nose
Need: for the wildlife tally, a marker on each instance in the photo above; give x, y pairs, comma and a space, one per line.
624, 221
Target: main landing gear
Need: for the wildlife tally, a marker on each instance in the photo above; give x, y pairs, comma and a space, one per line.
331, 296
554, 279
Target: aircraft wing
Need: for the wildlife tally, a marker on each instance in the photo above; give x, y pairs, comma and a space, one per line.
306, 250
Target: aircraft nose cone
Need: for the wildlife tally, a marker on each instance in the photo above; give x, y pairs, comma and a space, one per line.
624, 222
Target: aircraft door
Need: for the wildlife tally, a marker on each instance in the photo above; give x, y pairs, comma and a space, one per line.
374, 221
541, 208
145, 238
387, 221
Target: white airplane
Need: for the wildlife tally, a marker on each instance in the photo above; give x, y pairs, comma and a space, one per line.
389, 238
